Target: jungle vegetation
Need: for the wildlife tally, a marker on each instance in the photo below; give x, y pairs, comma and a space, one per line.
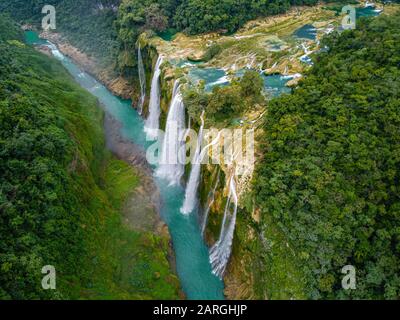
62, 192
225, 102
329, 177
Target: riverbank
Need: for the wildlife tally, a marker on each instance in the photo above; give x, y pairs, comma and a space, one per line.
141, 210
137, 201
118, 85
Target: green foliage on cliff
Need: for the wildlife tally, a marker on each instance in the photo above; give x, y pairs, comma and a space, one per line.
211, 52
61, 192
329, 178
9, 33
225, 102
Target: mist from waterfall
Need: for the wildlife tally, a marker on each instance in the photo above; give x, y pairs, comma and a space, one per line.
173, 152
142, 80
190, 201
221, 251
153, 120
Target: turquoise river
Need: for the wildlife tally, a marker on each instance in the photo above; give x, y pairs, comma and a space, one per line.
192, 257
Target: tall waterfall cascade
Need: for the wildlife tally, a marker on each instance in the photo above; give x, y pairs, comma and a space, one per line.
152, 123
190, 202
221, 251
173, 152
142, 80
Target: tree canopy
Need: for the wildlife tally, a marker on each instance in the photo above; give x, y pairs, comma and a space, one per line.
329, 177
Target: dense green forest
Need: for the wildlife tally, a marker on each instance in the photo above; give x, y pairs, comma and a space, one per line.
329, 177
61, 192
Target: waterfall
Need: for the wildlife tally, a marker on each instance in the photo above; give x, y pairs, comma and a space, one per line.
173, 152
142, 80
190, 201
55, 52
221, 251
211, 196
152, 122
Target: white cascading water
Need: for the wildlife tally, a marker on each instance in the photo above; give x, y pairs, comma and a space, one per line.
190, 201
221, 251
211, 196
54, 50
142, 80
152, 123
173, 152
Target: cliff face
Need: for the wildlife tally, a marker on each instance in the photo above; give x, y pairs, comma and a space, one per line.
242, 275
262, 265
150, 56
